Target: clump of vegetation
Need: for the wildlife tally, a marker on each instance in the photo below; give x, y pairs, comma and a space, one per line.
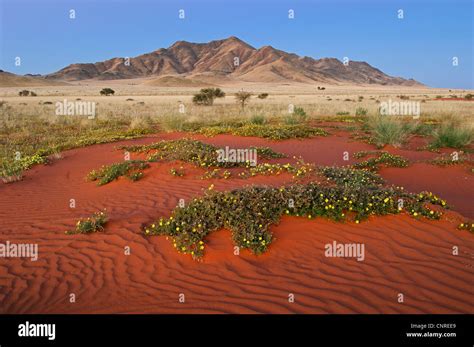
363, 154
342, 113
195, 152
177, 172
242, 98
270, 131
107, 91
207, 96
469, 226
262, 96
26, 93
297, 116
452, 136
447, 160
469, 96
389, 131
385, 159
268, 153
360, 111
258, 119
11, 171
93, 224
352, 178
132, 169
249, 212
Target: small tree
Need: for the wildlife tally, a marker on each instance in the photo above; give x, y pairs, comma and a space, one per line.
243, 98
206, 96
107, 91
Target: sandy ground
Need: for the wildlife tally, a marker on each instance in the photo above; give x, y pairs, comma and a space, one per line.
403, 255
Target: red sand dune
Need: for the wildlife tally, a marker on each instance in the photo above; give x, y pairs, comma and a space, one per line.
403, 255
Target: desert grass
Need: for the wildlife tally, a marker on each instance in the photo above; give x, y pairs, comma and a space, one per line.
30, 130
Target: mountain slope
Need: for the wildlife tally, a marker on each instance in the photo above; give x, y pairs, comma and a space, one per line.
231, 59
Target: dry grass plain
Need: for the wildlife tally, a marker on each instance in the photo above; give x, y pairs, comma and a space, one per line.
136, 99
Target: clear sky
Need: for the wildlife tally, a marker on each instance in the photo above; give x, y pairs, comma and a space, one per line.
420, 46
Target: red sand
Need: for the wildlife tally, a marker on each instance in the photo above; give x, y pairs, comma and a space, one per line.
402, 255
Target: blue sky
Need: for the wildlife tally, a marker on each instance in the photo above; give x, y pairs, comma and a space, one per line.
420, 46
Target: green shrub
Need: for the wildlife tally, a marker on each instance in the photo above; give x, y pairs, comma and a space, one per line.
385, 159
452, 136
90, 225
242, 98
258, 119
388, 131
206, 96
130, 169
11, 171
360, 111
107, 91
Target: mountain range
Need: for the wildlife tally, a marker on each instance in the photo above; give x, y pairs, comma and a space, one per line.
228, 60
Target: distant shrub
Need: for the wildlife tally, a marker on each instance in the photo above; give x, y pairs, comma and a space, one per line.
24, 93
107, 91
360, 111
468, 96
206, 96
262, 95
242, 98
342, 113
404, 97
257, 119
300, 113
